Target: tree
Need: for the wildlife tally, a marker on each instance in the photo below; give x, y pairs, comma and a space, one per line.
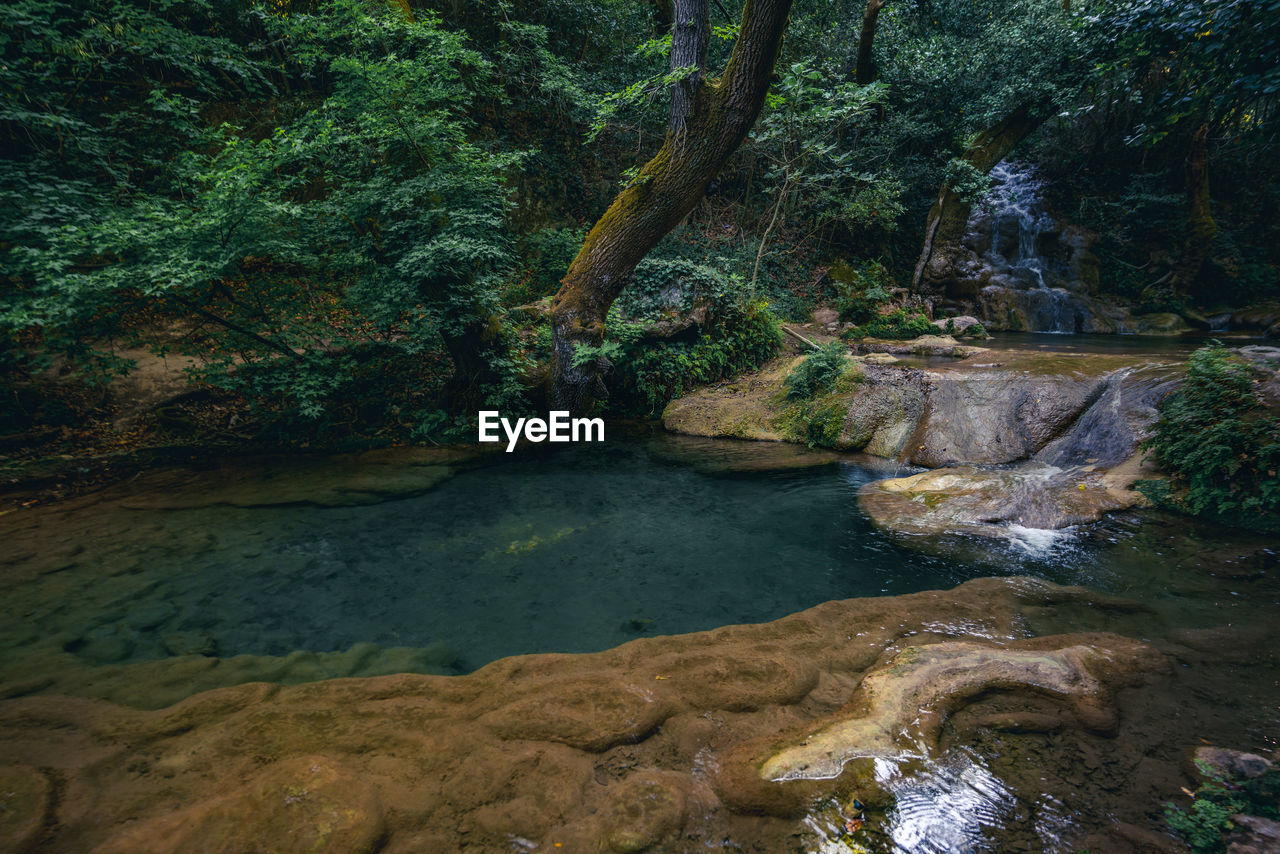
709, 118
866, 69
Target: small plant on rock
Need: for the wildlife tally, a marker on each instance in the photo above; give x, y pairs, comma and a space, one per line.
817, 373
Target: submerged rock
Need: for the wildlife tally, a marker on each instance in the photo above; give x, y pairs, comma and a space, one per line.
25, 799
334, 481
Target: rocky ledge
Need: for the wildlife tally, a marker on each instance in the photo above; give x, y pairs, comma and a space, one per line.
1031, 439
665, 742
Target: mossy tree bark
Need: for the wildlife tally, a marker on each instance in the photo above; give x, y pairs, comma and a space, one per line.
945, 225
709, 119
866, 71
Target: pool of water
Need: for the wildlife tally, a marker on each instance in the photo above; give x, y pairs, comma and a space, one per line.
572, 550
1158, 345
575, 550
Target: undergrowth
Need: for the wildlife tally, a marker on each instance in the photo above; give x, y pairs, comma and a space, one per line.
1219, 442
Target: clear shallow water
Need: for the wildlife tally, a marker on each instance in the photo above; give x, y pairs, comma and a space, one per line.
572, 551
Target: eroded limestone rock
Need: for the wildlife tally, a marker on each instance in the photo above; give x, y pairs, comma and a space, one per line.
901, 706
970, 500
630, 749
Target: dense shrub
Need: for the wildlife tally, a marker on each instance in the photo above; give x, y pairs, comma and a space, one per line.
1218, 440
860, 291
899, 325
739, 334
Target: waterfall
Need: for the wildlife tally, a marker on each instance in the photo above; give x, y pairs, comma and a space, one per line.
1017, 200
1015, 227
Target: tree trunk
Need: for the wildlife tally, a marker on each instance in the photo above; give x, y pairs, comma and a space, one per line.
866, 71
708, 122
945, 225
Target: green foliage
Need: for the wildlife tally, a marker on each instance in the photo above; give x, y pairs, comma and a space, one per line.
860, 291
1219, 442
1209, 818
901, 324
544, 258
366, 225
738, 334
818, 372
966, 181
740, 337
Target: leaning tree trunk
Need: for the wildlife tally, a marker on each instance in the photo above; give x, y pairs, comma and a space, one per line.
866, 71
708, 122
950, 213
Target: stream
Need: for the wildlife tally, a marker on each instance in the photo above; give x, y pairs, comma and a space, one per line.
152, 590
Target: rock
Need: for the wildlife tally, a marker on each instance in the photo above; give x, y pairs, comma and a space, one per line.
190, 643
677, 323
990, 503
1162, 323
337, 481
148, 615
1259, 317
906, 700
622, 749
104, 644
24, 805
745, 409
1075, 411
1273, 331
648, 809
925, 345
958, 325
308, 803
1253, 835
1229, 764
879, 359
825, 316
1016, 308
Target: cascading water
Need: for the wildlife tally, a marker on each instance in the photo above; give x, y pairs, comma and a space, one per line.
1019, 219
1027, 269
1017, 206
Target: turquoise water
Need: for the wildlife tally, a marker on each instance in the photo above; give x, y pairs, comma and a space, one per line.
567, 550
570, 551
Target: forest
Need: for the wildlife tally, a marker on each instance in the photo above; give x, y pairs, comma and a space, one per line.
349, 215
825, 426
